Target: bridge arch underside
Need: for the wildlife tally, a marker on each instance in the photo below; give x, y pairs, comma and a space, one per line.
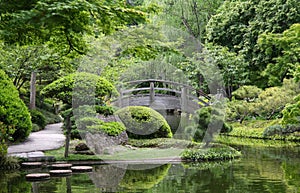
159, 102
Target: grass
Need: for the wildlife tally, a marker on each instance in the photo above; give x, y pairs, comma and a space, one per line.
142, 150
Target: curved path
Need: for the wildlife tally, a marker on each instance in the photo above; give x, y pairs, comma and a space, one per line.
50, 138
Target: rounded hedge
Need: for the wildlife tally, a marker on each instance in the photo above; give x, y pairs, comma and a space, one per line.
13, 112
144, 123
81, 87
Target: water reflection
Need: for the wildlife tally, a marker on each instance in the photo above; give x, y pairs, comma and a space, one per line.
259, 170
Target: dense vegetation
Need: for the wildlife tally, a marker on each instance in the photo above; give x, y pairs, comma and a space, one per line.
72, 53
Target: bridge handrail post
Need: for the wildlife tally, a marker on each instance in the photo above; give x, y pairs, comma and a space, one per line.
152, 92
184, 99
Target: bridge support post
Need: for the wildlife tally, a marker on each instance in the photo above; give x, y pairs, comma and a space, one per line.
184, 99
152, 92
120, 102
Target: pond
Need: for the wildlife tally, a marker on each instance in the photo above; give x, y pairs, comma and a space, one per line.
259, 170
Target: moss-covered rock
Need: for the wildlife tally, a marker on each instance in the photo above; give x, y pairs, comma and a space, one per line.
144, 123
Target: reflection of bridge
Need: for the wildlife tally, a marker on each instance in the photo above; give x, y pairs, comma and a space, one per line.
161, 95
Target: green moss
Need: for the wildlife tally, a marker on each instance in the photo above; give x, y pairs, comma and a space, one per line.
144, 123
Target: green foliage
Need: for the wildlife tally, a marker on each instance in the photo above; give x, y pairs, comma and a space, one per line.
38, 118
162, 143
9, 163
273, 130
291, 112
93, 124
190, 15
211, 154
208, 121
144, 123
284, 51
252, 102
83, 88
247, 92
64, 22
105, 110
136, 179
238, 24
13, 112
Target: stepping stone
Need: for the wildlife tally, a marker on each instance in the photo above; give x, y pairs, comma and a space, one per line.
37, 177
60, 172
32, 164
82, 169
61, 166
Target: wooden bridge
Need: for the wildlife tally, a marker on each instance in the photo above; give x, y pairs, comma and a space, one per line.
161, 95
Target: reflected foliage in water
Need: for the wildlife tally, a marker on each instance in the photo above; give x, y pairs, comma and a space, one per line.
271, 170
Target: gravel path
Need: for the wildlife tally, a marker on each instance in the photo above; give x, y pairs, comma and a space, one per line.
50, 138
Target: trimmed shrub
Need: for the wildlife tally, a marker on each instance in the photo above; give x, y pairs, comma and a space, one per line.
273, 130
144, 123
93, 124
105, 110
38, 118
84, 88
13, 112
211, 154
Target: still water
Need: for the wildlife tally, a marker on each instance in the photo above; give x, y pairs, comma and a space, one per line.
259, 170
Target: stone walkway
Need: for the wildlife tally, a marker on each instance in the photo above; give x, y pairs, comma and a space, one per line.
50, 138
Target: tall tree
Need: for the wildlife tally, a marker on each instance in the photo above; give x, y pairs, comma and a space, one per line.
238, 24
284, 51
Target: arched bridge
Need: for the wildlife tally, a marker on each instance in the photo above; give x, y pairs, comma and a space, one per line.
161, 95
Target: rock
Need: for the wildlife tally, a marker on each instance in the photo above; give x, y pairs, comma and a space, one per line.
37, 176
101, 142
31, 164
82, 147
61, 166
60, 172
82, 169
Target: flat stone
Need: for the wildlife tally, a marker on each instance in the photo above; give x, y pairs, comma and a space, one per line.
35, 154
60, 172
32, 164
82, 169
61, 166
37, 176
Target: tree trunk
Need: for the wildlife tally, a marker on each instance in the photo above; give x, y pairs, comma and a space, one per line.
32, 90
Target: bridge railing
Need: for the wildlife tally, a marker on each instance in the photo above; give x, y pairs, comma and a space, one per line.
182, 93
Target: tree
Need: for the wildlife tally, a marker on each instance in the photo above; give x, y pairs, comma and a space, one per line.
237, 25
81, 88
283, 49
64, 23
189, 15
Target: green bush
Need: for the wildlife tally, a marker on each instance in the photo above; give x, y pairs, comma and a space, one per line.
225, 153
93, 124
273, 130
105, 110
291, 113
144, 123
207, 122
83, 88
38, 118
13, 112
